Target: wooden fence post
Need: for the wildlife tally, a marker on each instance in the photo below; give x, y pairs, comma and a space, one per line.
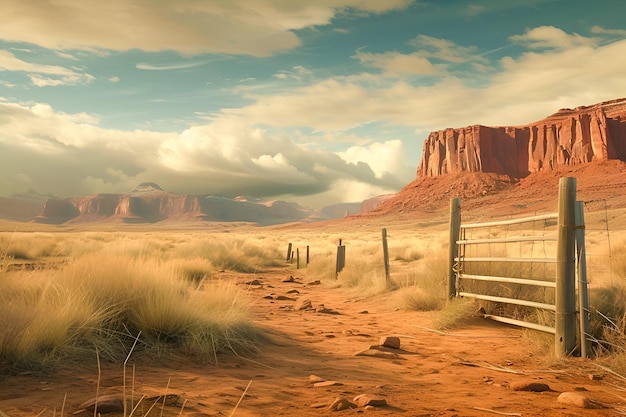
298, 258
341, 258
386, 254
307, 254
455, 227
581, 274
289, 252
565, 299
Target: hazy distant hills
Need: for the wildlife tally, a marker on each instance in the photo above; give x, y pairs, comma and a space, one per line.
149, 203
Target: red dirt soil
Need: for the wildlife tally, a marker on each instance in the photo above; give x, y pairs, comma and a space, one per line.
465, 372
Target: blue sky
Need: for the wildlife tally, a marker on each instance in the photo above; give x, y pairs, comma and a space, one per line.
316, 102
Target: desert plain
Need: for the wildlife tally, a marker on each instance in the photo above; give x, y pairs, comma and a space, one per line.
319, 348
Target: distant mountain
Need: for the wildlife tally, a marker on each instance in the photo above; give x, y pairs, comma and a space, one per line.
149, 203
23, 206
147, 187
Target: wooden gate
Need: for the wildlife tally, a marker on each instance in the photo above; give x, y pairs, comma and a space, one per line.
568, 262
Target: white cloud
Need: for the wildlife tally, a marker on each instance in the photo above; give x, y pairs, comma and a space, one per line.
259, 28
515, 90
69, 154
168, 67
384, 158
552, 37
604, 31
43, 75
395, 62
445, 50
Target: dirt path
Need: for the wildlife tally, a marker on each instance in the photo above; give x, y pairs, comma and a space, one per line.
463, 373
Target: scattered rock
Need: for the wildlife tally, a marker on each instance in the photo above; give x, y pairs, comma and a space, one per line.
319, 405
316, 282
324, 310
392, 342
341, 404
578, 399
304, 304
254, 282
529, 386
315, 378
270, 296
284, 298
364, 400
364, 312
327, 384
291, 279
293, 292
376, 353
595, 377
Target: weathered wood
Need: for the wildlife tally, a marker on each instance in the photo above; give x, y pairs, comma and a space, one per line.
289, 252
455, 227
386, 254
341, 258
298, 258
565, 319
581, 274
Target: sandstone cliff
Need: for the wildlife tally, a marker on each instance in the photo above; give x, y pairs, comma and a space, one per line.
568, 137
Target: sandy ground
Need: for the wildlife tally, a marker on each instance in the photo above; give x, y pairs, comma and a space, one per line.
465, 372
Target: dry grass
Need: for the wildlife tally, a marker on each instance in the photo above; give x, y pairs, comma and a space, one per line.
122, 287
162, 284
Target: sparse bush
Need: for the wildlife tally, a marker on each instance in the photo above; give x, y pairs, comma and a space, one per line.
455, 313
106, 301
418, 299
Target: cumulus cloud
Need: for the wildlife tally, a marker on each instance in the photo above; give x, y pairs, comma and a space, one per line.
258, 28
395, 62
573, 74
550, 37
69, 154
43, 75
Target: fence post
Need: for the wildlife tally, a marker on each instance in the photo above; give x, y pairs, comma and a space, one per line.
455, 226
581, 274
298, 258
289, 252
341, 258
565, 321
386, 254
307, 254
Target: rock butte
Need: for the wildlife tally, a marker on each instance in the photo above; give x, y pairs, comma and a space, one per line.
568, 137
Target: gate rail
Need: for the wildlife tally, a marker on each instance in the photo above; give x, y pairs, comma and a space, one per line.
569, 260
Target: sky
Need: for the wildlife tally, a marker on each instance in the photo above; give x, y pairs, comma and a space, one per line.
316, 102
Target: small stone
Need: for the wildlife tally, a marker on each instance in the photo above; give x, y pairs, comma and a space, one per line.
322, 384
304, 304
378, 354
529, 386
392, 342
253, 282
315, 378
579, 399
325, 310
316, 282
290, 279
341, 404
284, 298
595, 377
364, 400
319, 405
293, 292
364, 312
